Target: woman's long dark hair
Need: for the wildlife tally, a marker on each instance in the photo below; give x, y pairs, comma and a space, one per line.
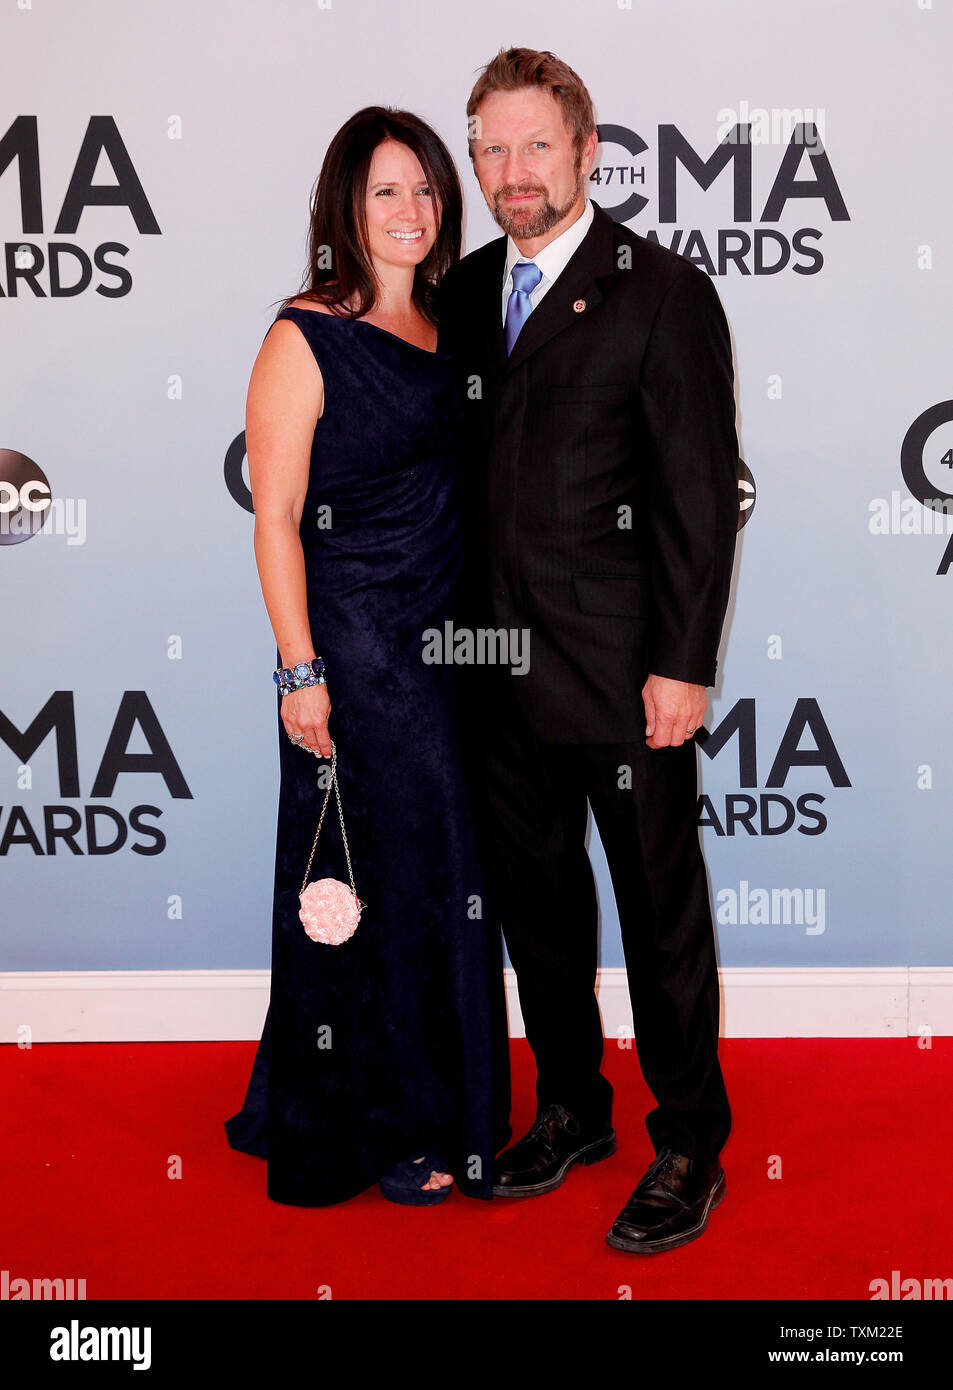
339, 269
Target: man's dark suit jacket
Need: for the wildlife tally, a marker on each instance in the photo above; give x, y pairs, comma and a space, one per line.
601, 485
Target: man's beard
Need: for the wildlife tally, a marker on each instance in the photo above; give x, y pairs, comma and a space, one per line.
541, 220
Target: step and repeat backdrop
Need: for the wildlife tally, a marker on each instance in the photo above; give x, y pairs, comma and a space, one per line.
156, 166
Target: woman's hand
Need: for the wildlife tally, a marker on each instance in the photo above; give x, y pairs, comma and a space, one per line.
306, 712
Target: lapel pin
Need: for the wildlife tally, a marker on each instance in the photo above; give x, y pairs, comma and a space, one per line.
579, 305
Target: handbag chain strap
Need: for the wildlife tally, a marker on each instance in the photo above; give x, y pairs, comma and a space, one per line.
327, 796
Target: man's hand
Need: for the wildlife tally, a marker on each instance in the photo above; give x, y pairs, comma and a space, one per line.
673, 711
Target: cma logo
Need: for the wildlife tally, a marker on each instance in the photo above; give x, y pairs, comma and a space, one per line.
98, 829
928, 445
60, 269
757, 248
771, 812
235, 480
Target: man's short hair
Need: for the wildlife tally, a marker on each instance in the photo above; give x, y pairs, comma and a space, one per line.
514, 68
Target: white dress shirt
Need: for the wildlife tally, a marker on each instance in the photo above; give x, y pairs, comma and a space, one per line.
552, 260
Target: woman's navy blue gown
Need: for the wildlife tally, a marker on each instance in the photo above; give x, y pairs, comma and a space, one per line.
395, 1041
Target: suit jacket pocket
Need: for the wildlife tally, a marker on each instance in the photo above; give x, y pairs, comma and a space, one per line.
617, 595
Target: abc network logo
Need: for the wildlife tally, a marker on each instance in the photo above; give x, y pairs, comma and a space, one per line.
25, 497
747, 493
28, 507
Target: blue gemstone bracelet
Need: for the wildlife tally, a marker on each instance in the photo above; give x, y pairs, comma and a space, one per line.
291, 678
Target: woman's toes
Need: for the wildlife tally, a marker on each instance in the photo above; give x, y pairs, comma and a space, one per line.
437, 1180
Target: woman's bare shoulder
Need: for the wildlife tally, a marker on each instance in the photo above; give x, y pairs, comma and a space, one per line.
286, 359
312, 304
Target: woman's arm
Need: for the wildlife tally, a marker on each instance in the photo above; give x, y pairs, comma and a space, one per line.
285, 400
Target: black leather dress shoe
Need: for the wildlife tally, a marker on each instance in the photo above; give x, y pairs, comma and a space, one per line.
670, 1205
541, 1159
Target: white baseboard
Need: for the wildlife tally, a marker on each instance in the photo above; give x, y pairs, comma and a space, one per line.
219, 1005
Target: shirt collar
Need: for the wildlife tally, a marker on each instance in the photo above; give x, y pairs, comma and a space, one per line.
555, 254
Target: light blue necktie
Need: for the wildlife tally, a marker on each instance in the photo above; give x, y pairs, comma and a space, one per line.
526, 276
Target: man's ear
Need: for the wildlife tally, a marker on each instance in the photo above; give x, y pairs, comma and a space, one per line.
589, 152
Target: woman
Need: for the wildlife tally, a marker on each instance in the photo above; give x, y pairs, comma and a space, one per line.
383, 1059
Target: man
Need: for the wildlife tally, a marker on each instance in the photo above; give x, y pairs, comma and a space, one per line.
604, 511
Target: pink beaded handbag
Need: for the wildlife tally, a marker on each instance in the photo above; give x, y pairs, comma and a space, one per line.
330, 910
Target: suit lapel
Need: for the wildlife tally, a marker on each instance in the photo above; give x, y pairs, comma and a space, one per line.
492, 297
592, 261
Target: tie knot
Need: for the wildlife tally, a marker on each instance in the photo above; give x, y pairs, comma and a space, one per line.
526, 276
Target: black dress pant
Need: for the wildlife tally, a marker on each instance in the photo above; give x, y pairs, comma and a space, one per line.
644, 802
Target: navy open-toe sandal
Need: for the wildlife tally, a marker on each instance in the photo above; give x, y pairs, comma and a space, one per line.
404, 1182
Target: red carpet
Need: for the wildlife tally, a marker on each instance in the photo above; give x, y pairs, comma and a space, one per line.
863, 1129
